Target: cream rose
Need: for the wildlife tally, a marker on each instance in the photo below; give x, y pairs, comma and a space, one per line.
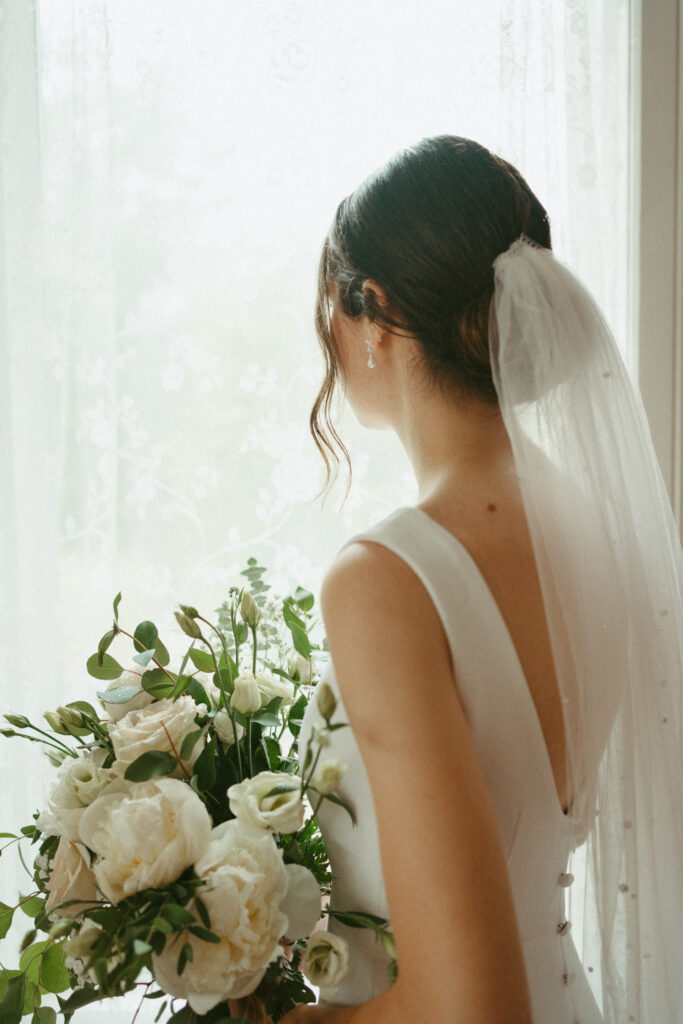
274, 686
145, 835
327, 776
326, 962
79, 782
222, 723
303, 666
70, 879
132, 677
162, 725
246, 881
259, 811
246, 697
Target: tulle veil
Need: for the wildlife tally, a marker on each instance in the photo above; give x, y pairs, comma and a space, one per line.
611, 570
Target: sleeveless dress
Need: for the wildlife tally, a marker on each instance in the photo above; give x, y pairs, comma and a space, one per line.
536, 834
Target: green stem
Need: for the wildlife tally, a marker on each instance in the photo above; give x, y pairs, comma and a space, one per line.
253, 660
54, 742
251, 765
155, 660
234, 633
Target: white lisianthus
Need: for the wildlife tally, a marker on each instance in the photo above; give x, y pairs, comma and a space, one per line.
246, 881
274, 686
145, 835
326, 962
302, 902
79, 781
222, 724
328, 775
71, 878
296, 663
260, 810
131, 677
246, 697
162, 725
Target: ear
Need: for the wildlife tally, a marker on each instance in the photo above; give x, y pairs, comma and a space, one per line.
376, 294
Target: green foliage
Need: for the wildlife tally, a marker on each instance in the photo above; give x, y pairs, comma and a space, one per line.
151, 765
103, 667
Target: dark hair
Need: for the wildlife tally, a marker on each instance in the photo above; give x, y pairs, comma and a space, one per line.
426, 227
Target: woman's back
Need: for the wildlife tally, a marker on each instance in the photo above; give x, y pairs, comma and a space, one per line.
483, 584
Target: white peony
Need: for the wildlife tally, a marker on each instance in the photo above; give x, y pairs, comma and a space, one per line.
302, 902
246, 881
328, 775
162, 725
131, 677
326, 962
78, 783
246, 697
258, 811
71, 878
145, 835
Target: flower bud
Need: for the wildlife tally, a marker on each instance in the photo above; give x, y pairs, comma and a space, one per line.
188, 610
61, 927
8, 732
327, 702
55, 722
250, 610
69, 716
188, 625
327, 776
246, 697
18, 721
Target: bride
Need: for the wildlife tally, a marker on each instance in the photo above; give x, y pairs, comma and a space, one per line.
508, 651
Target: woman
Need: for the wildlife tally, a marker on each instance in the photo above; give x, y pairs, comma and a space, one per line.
507, 653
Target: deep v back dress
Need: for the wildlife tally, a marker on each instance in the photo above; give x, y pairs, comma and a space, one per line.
536, 835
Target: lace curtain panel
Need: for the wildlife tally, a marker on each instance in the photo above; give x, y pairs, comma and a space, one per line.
167, 174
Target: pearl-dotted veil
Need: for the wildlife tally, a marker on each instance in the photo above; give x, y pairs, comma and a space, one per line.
611, 571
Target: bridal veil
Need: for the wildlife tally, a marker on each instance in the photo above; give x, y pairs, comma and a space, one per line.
611, 571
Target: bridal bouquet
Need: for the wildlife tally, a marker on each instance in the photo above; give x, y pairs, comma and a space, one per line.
179, 851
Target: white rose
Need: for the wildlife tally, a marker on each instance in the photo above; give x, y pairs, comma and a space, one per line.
245, 884
327, 776
79, 781
222, 723
304, 666
132, 677
326, 962
274, 686
71, 879
302, 901
145, 835
260, 812
246, 697
162, 725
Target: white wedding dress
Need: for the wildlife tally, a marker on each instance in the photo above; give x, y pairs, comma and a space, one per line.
536, 834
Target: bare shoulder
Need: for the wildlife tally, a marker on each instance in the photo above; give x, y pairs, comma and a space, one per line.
381, 623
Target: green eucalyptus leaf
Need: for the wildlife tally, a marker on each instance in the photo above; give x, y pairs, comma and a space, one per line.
202, 912
203, 933
198, 693
117, 602
201, 660
189, 743
145, 635
105, 642
162, 926
79, 998
144, 657
12, 1004
265, 718
205, 766
151, 765
107, 668
141, 948
161, 653
44, 1015
32, 906
304, 599
53, 973
6, 915
157, 682
120, 694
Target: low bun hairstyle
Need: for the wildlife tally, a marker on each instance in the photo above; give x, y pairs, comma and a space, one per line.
427, 227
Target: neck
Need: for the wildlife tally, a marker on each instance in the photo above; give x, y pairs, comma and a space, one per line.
452, 444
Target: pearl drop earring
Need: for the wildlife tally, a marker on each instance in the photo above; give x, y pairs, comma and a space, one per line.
368, 345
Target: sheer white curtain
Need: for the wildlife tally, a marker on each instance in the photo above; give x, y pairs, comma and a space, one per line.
168, 173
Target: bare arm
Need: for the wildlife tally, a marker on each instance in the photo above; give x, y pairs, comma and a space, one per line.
452, 914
